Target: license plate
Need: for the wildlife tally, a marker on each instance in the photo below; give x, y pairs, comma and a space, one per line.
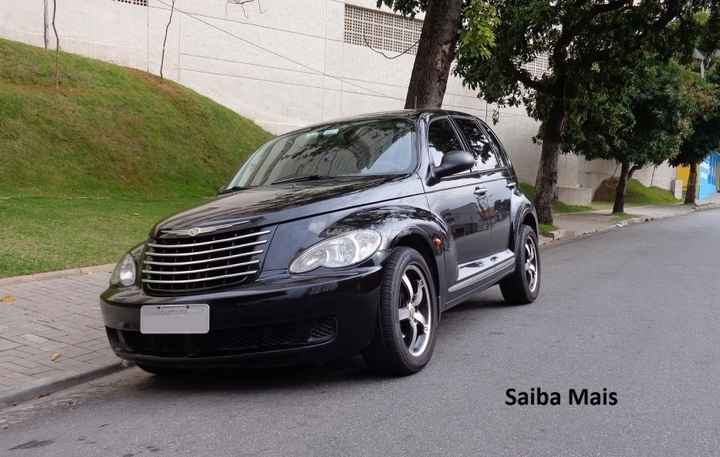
174, 319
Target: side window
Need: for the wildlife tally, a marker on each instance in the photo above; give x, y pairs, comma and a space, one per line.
502, 152
480, 144
441, 140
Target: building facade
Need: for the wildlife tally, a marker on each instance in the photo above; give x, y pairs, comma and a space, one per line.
286, 64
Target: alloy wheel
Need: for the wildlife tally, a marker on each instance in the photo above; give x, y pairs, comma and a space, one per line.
531, 264
415, 312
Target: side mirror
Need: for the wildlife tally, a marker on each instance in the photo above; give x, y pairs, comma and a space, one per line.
454, 162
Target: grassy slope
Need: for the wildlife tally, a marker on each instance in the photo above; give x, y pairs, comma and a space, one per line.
89, 167
638, 194
558, 207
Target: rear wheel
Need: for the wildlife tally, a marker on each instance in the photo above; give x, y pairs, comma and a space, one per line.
523, 286
407, 316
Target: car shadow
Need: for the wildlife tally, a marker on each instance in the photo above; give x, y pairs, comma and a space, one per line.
490, 298
264, 379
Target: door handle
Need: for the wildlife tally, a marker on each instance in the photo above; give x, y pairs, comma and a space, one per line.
511, 185
480, 191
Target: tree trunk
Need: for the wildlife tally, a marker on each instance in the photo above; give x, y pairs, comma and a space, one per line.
692, 185
45, 24
619, 206
436, 51
167, 28
547, 176
57, 46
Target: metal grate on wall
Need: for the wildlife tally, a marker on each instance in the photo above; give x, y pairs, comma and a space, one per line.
380, 30
538, 67
133, 2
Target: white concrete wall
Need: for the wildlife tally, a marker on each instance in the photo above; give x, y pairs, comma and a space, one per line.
284, 66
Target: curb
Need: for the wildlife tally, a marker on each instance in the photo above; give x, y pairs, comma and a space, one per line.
705, 206
51, 385
547, 242
107, 268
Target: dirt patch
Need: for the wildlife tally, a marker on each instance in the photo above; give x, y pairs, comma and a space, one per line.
606, 190
162, 85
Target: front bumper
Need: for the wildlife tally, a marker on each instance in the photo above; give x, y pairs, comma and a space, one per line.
280, 320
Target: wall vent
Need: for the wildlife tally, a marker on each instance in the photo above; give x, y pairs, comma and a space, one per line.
133, 2
381, 30
538, 67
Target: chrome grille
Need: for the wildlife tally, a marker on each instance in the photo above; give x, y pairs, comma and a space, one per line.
176, 265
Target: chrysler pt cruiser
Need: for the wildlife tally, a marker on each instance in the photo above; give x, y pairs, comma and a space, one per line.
347, 237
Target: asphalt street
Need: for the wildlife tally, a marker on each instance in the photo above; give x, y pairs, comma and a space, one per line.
635, 311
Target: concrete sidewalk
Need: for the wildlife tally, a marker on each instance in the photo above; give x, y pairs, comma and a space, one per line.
572, 225
51, 331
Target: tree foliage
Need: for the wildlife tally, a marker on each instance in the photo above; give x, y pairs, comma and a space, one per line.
705, 130
639, 122
576, 37
643, 121
704, 123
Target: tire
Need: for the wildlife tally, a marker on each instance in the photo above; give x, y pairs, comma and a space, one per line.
160, 371
519, 288
408, 301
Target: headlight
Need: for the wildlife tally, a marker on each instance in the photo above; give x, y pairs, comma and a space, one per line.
124, 273
340, 251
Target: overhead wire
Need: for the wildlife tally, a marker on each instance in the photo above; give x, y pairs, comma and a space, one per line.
277, 54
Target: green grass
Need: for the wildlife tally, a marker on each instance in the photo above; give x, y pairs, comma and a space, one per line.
558, 207
86, 169
545, 229
44, 233
109, 131
638, 194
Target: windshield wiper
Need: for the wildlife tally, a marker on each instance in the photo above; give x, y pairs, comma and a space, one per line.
232, 189
301, 179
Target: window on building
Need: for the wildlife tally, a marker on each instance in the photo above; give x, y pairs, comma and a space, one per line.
133, 2
381, 30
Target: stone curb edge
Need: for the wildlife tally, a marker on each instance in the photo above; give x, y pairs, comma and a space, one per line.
107, 268
51, 385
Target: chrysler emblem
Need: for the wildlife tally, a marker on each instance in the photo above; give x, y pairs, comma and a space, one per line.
195, 231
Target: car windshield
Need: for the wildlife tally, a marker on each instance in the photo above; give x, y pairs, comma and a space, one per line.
348, 149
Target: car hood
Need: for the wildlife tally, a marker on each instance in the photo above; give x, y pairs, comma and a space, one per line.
284, 202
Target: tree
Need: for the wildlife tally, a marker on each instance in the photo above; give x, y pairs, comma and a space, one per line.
705, 128
438, 44
639, 122
575, 36
705, 123
57, 46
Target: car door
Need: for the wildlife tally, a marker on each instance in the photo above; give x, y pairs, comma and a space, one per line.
457, 200
495, 179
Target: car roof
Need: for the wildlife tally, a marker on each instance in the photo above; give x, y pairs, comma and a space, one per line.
410, 114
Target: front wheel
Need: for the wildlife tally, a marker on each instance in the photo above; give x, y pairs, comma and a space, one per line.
523, 286
407, 316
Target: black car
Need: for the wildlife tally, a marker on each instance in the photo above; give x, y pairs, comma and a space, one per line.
342, 238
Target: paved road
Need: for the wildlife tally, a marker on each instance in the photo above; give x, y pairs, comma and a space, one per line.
635, 311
